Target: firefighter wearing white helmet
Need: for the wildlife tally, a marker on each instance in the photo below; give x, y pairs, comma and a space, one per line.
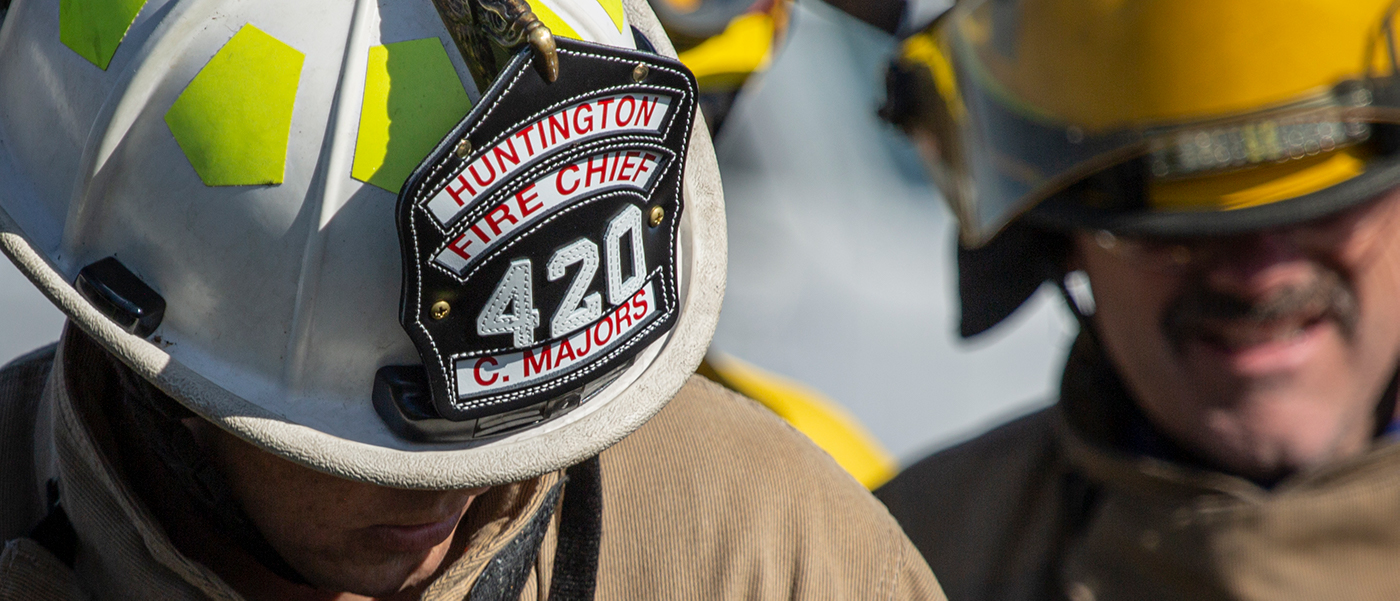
1215, 186
386, 299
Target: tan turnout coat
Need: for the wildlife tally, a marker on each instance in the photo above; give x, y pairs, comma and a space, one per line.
714, 498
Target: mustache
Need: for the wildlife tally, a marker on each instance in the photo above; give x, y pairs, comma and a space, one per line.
1328, 296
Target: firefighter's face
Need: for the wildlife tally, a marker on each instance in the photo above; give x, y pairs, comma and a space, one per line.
340, 535
1264, 353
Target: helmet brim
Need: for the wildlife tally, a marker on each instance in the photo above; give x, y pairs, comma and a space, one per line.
1065, 213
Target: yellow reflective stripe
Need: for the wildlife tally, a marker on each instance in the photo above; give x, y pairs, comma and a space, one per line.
828, 425
556, 24
726, 60
94, 28
924, 48
234, 119
614, 8
1257, 186
412, 99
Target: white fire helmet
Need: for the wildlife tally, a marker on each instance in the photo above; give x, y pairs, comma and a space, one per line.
280, 213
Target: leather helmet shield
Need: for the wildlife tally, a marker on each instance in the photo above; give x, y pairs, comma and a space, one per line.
540, 241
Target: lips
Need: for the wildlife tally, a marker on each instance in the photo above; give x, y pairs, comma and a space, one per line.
413, 538
1236, 335
1283, 318
1252, 349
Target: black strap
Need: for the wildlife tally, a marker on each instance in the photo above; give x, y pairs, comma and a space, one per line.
576, 560
55, 532
580, 534
504, 578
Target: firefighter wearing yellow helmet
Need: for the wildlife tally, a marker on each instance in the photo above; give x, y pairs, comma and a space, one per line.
386, 299
1215, 186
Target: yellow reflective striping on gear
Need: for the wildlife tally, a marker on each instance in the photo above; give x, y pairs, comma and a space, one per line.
828, 425
614, 8
551, 19
1257, 186
412, 99
234, 119
685, 6
724, 61
94, 28
925, 49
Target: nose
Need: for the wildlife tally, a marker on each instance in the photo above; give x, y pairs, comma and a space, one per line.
1253, 266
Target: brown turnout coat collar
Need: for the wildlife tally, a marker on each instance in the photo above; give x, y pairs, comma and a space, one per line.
1056, 505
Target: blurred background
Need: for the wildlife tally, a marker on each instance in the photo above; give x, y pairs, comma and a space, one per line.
841, 253
29, 320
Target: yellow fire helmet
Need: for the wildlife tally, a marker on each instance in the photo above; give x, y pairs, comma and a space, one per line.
1155, 117
690, 22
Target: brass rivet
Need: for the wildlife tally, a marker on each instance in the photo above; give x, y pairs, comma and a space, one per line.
657, 214
640, 73
441, 309
464, 148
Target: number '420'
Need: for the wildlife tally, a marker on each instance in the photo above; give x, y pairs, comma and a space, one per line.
511, 308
